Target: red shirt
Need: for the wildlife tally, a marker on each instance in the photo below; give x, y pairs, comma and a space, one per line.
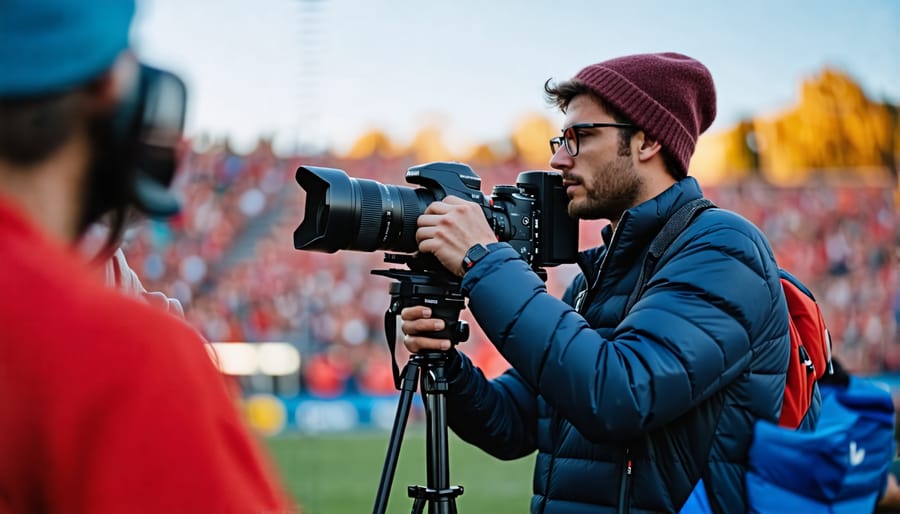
108, 405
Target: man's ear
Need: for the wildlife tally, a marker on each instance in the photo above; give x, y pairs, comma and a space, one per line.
645, 147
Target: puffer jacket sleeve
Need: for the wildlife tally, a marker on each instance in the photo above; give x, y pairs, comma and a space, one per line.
686, 338
499, 416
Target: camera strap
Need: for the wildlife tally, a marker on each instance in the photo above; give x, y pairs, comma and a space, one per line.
390, 331
660, 244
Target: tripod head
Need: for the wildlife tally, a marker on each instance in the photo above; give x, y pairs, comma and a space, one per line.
425, 284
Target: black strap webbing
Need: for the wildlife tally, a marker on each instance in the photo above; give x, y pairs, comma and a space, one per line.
660, 244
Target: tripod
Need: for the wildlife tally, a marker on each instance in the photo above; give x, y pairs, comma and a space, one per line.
446, 302
439, 495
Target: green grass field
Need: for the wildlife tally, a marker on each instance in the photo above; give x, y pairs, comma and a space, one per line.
339, 474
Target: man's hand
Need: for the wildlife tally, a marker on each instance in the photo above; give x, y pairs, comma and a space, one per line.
417, 320
448, 228
891, 499
121, 276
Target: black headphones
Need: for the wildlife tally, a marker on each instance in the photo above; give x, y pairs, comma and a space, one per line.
136, 153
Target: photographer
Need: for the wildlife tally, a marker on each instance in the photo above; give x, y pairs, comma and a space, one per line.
108, 404
627, 410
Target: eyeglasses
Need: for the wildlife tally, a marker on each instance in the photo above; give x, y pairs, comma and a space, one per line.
570, 140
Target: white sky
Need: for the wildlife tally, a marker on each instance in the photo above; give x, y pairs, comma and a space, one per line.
321, 72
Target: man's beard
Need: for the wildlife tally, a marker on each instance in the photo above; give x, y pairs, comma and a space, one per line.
610, 191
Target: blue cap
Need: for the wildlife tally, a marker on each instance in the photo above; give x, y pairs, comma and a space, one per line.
50, 46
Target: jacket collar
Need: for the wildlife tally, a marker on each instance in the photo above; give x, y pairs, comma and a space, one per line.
640, 224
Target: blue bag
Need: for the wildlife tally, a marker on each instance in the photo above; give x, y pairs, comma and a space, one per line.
840, 467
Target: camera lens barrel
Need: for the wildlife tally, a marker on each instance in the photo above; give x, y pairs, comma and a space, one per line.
387, 216
344, 213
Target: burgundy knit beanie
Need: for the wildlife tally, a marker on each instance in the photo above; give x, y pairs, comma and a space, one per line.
669, 96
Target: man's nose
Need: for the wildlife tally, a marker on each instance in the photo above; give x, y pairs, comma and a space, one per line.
561, 160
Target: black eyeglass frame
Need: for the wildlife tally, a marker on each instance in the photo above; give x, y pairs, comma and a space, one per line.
556, 142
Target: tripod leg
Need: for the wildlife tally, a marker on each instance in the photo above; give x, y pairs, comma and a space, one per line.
407, 390
434, 386
438, 465
418, 506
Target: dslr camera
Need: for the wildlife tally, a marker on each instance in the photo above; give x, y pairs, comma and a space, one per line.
344, 213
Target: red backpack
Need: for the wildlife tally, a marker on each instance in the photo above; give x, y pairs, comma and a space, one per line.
810, 355
810, 350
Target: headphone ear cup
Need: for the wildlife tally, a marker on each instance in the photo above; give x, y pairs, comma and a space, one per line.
162, 102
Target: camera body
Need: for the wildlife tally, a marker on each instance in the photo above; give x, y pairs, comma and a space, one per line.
344, 213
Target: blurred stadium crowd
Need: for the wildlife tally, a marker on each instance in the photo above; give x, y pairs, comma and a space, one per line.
229, 258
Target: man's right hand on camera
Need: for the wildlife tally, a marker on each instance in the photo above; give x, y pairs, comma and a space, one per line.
417, 323
448, 228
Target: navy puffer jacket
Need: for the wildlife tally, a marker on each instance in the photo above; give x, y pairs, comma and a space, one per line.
628, 410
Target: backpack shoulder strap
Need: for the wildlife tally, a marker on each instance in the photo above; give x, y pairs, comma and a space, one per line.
672, 228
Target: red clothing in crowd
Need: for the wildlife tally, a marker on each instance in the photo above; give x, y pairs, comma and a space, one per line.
108, 405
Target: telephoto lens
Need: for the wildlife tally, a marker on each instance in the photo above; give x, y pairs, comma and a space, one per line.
345, 213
